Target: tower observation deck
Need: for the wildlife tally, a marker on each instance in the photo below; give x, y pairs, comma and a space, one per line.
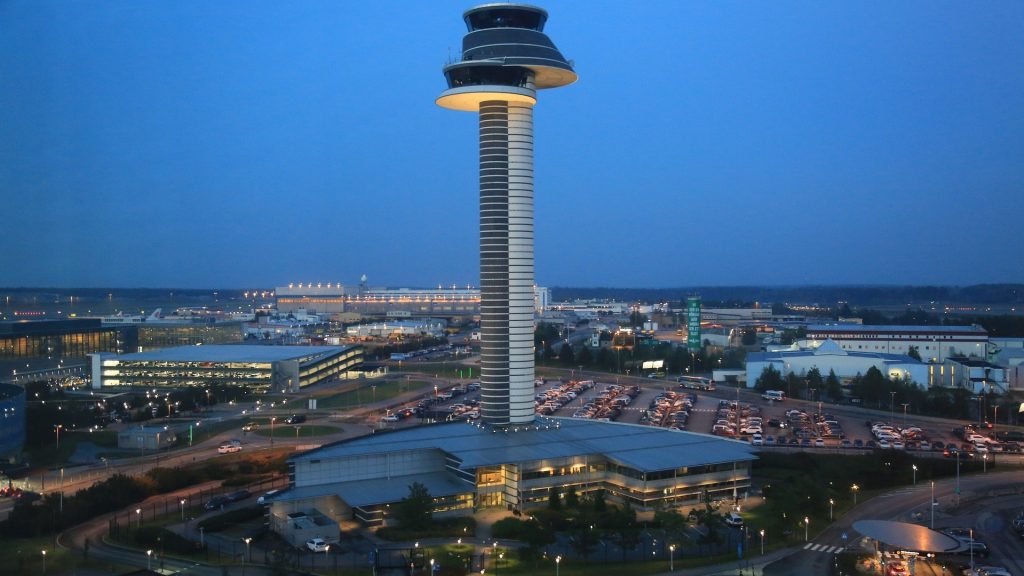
506, 58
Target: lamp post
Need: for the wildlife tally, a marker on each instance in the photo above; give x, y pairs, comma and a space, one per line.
807, 525
272, 420
958, 477
248, 553
855, 488
57, 428
149, 559
762, 541
905, 404
914, 468
934, 503
138, 515
672, 558
892, 406
831, 503
558, 561
984, 463
44, 561
182, 504
431, 565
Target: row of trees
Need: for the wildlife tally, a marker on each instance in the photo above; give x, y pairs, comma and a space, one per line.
810, 386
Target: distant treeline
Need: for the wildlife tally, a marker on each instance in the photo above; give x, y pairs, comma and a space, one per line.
859, 296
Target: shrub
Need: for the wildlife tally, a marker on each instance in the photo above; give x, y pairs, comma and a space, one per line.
508, 528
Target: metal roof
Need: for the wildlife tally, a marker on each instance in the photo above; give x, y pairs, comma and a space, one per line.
894, 328
231, 353
907, 536
644, 448
379, 490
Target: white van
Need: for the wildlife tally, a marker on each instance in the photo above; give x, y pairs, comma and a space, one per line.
777, 395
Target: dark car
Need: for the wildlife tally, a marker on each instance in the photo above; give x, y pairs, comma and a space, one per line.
870, 444
238, 496
295, 419
858, 443
216, 502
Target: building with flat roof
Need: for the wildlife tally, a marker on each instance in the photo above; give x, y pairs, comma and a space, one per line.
466, 467
440, 302
829, 356
933, 343
67, 338
262, 367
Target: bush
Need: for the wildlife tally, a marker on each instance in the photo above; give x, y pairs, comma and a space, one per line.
229, 519
161, 539
450, 527
508, 528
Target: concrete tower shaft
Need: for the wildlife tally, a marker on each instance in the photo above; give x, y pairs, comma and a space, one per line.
506, 58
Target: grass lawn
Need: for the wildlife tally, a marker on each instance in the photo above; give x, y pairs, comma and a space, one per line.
23, 556
370, 392
304, 430
49, 455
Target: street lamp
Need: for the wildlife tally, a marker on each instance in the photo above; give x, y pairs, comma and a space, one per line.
248, 553
149, 559
431, 565
855, 488
672, 558
558, 561
934, 503
272, 420
914, 468
905, 404
182, 504
831, 503
44, 561
762, 541
138, 514
892, 406
984, 463
807, 525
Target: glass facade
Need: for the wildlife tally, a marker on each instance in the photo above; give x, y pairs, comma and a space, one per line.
56, 338
169, 336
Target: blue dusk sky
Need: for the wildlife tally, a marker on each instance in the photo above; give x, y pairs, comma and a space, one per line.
187, 143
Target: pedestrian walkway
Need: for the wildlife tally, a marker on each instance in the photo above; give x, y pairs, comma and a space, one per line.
812, 547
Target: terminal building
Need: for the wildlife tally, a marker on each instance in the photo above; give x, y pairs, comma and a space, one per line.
68, 338
261, 367
339, 299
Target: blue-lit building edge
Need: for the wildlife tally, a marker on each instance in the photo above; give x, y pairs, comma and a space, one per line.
12, 421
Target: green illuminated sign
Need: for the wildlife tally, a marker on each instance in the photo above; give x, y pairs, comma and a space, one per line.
693, 323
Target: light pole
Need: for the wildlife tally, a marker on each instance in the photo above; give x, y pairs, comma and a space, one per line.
984, 463
57, 428
138, 515
914, 468
149, 559
762, 541
558, 561
182, 504
807, 525
905, 404
248, 552
831, 503
855, 488
958, 477
272, 420
892, 406
672, 558
933, 504
44, 561
431, 565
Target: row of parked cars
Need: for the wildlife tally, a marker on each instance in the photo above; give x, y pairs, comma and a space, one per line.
670, 409
609, 404
552, 400
732, 418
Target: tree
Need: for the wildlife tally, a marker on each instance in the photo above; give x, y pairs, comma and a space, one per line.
832, 387
585, 357
566, 355
770, 379
913, 353
416, 510
572, 500
815, 382
554, 500
749, 337
793, 382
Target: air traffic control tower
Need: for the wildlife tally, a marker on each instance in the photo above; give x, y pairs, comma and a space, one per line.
506, 58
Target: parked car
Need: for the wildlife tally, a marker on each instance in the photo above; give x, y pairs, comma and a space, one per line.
238, 496
216, 502
295, 419
265, 499
734, 519
316, 545
250, 427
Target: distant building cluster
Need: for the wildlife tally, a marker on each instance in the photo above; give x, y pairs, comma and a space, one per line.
338, 299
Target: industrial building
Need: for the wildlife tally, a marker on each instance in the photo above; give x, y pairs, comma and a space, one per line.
69, 338
261, 367
829, 356
933, 343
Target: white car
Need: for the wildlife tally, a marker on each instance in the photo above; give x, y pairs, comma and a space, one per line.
229, 447
733, 519
262, 500
316, 545
756, 440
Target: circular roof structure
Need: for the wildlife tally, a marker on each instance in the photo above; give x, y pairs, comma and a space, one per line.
907, 536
